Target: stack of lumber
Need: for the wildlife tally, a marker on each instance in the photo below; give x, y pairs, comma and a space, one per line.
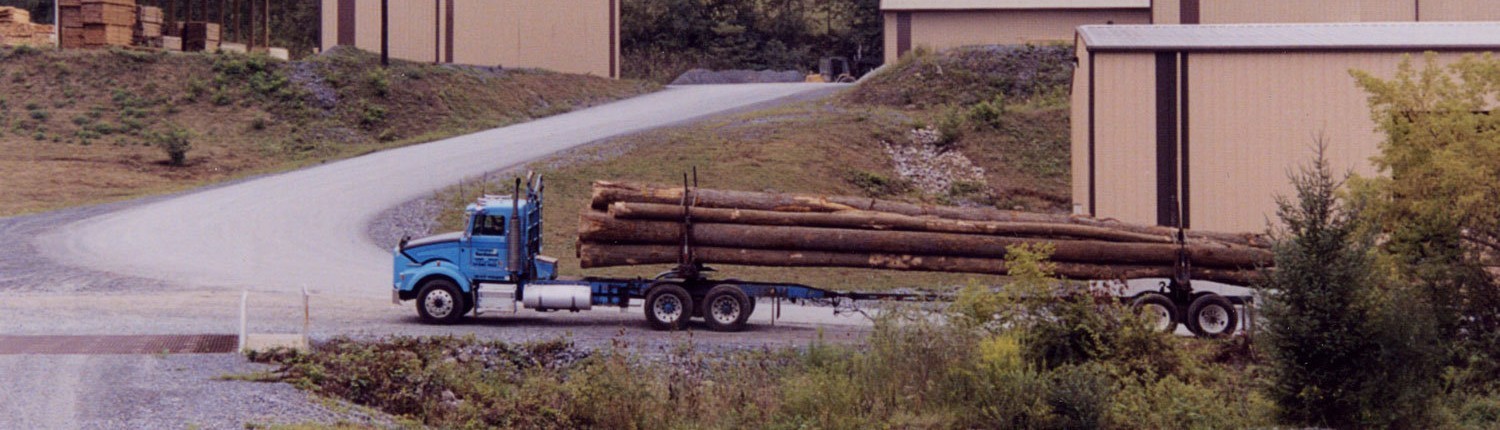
148, 27
16, 29
70, 17
13, 15
200, 36
97, 23
633, 224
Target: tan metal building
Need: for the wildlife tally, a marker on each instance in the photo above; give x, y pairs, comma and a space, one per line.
573, 36
1214, 117
1307, 11
942, 24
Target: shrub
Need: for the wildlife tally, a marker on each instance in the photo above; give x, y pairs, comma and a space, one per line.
1336, 358
372, 115
175, 141
877, 185
988, 113
950, 127
380, 81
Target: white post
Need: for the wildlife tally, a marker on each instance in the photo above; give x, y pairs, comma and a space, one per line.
306, 316
244, 296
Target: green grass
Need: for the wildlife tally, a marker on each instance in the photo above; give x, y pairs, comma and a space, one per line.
247, 115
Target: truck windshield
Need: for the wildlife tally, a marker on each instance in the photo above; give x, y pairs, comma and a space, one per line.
489, 225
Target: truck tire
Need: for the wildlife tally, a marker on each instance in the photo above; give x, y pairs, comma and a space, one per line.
1158, 309
441, 302
668, 307
735, 283
1212, 316
726, 308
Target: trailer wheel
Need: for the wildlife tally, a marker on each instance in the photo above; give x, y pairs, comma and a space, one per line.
668, 307
1158, 310
1212, 316
751, 300
726, 308
440, 302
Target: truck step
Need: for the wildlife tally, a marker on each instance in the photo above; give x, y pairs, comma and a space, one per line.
496, 298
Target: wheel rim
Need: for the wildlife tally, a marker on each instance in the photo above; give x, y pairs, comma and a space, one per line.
1213, 319
668, 308
1160, 317
725, 310
438, 303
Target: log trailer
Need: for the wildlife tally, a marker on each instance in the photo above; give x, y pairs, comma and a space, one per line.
496, 264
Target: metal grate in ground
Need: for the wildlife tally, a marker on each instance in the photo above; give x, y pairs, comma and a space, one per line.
140, 344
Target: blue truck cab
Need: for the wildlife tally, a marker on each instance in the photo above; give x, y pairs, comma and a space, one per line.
501, 244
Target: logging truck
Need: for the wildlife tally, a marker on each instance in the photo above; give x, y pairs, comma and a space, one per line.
496, 264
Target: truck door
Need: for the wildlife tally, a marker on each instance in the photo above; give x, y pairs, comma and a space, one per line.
487, 247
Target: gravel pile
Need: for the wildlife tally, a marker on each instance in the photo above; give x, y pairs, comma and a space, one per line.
928, 167
415, 219
707, 77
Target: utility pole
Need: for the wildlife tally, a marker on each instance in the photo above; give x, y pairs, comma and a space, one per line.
385, 33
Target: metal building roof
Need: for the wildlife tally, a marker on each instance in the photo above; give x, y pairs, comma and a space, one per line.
1294, 37
1011, 4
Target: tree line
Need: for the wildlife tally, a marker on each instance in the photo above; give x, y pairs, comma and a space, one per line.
660, 39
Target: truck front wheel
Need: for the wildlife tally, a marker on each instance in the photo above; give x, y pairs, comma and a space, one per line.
726, 308
668, 307
441, 302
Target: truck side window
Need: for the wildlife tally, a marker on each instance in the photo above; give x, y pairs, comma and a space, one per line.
489, 225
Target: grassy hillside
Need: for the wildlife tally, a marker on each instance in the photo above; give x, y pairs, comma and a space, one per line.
88, 126
844, 146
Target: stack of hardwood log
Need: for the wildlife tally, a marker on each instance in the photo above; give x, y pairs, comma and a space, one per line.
633, 224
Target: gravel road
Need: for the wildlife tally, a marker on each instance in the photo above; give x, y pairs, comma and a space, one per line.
177, 265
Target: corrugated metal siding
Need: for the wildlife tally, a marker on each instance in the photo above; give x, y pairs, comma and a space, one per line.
941, 30
412, 36
1460, 10
367, 25
1291, 11
1166, 12
329, 25
1256, 117
1079, 116
1125, 142
563, 35
889, 30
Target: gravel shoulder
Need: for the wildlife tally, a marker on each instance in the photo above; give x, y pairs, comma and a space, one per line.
157, 392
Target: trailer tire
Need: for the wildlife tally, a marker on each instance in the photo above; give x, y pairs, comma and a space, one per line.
1159, 310
1212, 316
736, 283
668, 307
726, 308
441, 302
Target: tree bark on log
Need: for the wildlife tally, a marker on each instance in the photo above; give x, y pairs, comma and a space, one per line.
606, 193
599, 227
866, 220
592, 255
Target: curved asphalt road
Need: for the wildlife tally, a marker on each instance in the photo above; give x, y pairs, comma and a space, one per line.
308, 227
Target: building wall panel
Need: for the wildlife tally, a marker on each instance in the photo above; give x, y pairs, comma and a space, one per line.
1166, 11
1125, 144
947, 29
889, 31
328, 29
572, 36
1255, 117
1079, 117
1460, 10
